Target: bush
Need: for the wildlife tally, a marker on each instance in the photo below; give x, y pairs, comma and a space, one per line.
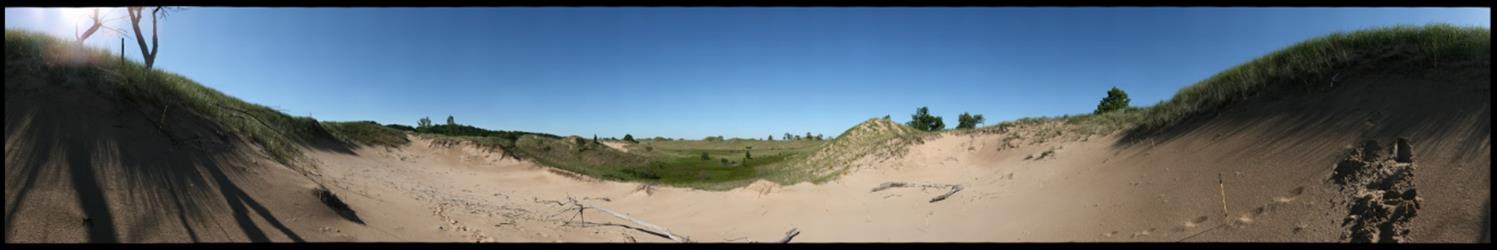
923, 121
400, 127
629, 138
968, 121
1116, 100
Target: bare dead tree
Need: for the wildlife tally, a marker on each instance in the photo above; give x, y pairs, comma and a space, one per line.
98, 22
147, 52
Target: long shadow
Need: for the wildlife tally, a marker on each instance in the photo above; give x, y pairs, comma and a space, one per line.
1486, 230
99, 221
237, 200
114, 154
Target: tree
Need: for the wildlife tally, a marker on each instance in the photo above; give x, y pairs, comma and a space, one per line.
595, 138
149, 53
968, 121
808, 136
746, 154
818, 137
629, 138
923, 121
424, 123
98, 22
788, 137
770, 138
1116, 100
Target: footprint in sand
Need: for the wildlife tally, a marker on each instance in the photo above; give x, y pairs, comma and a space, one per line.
1193, 223
1293, 194
1143, 233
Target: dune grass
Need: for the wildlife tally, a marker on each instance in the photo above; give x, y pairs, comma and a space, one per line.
367, 133
1305, 67
64, 62
1310, 65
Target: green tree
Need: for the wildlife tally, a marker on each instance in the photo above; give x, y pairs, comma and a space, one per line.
771, 137
968, 121
1116, 100
424, 123
629, 138
923, 121
788, 137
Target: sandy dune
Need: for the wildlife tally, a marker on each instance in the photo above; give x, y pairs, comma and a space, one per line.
1277, 184
80, 168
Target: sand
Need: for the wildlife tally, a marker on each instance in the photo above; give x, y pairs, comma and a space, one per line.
1276, 160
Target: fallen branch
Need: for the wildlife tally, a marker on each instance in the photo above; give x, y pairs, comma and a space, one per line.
954, 188
645, 226
790, 235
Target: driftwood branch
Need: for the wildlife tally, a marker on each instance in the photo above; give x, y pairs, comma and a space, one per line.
953, 188
790, 235
643, 226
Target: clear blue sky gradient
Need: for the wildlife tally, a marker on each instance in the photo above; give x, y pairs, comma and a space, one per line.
737, 72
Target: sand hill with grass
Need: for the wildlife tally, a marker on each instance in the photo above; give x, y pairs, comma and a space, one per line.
1375, 135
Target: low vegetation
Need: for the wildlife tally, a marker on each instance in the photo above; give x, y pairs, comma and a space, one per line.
923, 121
366, 133
1313, 64
31, 55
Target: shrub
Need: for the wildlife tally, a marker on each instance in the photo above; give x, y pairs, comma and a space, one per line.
1116, 99
923, 121
629, 138
400, 127
968, 121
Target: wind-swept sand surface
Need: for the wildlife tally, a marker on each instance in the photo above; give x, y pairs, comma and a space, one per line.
1276, 162
87, 166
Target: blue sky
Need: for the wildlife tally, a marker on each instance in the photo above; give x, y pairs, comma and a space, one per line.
694, 72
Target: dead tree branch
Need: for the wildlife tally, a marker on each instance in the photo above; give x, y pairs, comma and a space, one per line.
643, 226
953, 188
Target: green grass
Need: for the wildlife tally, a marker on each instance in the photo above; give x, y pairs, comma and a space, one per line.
1308, 66
673, 163
366, 133
1305, 67
44, 57
827, 161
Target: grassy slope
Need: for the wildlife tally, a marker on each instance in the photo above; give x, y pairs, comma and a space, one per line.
1304, 67
47, 57
366, 133
872, 137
